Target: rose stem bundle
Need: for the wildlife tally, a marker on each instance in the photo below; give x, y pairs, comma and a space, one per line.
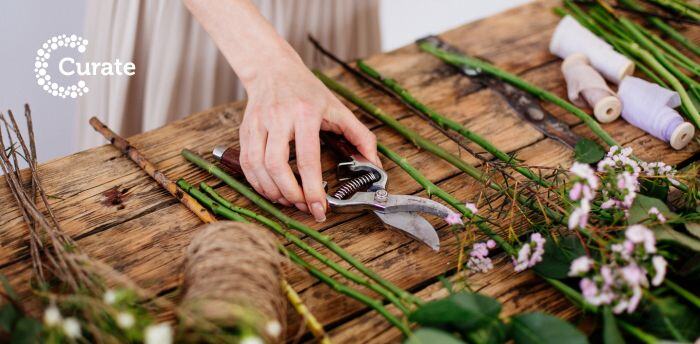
460, 60
429, 146
678, 7
213, 197
205, 216
445, 122
213, 200
296, 225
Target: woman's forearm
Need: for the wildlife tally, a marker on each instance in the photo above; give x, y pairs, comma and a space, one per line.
248, 41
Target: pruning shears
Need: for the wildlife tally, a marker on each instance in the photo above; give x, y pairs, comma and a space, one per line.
363, 188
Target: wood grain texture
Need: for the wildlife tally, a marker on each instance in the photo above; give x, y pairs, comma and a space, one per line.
118, 214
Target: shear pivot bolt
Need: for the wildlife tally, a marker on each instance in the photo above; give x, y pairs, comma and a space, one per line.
381, 196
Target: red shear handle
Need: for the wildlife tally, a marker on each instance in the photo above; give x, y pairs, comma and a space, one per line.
229, 157
344, 150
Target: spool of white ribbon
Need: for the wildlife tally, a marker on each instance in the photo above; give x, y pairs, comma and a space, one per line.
649, 107
570, 37
586, 86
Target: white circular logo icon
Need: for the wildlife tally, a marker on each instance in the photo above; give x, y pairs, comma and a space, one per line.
41, 65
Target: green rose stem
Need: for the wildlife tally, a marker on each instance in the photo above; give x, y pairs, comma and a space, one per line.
463, 60
343, 289
305, 247
431, 147
228, 211
434, 190
611, 23
296, 225
445, 122
215, 207
673, 33
678, 8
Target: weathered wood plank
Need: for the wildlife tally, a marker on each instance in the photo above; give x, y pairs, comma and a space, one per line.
119, 215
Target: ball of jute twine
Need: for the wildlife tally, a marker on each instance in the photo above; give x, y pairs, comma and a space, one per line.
232, 278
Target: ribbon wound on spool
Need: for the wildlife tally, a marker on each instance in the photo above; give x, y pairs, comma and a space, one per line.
649, 107
585, 86
570, 37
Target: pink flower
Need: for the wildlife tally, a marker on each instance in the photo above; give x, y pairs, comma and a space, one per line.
478, 257
579, 217
531, 253
655, 214
659, 264
453, 219
639, 234
580, 266
471, 207
575, 192
634, 275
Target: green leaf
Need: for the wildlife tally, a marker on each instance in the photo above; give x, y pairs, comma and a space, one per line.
494, 333
462, 312
8, 288
611, 333
666, 233
693, 228
669, 318
432, 336
8, 316
641, 205
587, 151
541, 328
26, 331
656, 188
558, 256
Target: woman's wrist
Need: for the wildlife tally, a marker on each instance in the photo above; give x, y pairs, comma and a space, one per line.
270, 66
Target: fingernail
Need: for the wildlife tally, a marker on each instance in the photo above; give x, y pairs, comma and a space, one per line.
284, 202
302, 207
318, 211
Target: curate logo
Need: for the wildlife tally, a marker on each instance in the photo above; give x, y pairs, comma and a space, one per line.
67, 66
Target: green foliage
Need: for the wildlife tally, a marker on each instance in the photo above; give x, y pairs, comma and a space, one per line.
460, 312
432, 336
558, 256
587, 151
611, 333
657, 188
14, 325
666, 317
666, 233
475, 319
27, 330
693, 228
541, 328
640, 209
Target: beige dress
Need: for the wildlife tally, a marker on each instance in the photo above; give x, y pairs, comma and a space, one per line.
179, 70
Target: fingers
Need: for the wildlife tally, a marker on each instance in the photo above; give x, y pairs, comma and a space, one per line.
277, 166
308, 149
360, 136
252, 162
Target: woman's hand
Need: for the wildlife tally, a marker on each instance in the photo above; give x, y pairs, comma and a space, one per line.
285, 102
288, 103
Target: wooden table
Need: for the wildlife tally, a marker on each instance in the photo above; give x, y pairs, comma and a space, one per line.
118, 214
